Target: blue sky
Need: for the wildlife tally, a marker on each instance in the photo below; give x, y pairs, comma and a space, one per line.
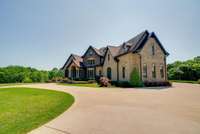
43, 33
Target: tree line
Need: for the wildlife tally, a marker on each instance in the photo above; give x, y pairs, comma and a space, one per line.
185, 70
179, 70
19, 74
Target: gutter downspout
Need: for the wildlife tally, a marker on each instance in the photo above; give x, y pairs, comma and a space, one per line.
165, 68
117, 70
140, 66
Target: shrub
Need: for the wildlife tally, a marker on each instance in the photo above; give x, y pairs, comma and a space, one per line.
91, 81
157, 83
49, 81
57, 79
79, 82
27, 80
114, 83
198, 81
124, 84
135, 80
104, 82
55, 73
97, 78
66, 80
83, 79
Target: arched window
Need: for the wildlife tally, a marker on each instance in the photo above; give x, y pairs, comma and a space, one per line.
161, 71
154, 71
123, 72
109, 73
145, 71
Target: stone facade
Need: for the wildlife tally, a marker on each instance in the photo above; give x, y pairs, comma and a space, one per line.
91, 55
158, 59
110, 62
143, 52
128, 62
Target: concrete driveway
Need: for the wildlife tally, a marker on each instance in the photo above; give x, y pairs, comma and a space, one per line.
173, 110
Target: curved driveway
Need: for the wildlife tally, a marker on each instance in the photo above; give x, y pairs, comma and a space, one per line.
173, 110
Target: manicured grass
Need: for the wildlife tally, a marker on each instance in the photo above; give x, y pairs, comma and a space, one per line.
80, 85
24, 109
184, 81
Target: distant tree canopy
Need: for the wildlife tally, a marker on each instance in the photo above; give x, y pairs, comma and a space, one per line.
186, 70
179, 70
18, 74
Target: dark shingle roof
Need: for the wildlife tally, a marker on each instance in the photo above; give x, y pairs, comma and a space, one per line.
98, 51
114, 50
78, 60
133, 45
136, 43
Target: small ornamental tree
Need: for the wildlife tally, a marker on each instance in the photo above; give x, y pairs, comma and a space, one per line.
104, 82
135, 80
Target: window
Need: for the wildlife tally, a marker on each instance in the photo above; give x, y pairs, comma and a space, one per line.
73, 72
153, 50
145, 71
91, 62
81, 73
66, 73
154, 71
90, 73
161, 71
109, 73
108, 57
100, 73
123, 72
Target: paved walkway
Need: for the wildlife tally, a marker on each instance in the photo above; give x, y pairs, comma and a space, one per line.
173, 110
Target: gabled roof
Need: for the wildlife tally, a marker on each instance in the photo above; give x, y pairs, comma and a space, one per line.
153, 35
114, 50
99, 52
133, 45
78, 60
136, 44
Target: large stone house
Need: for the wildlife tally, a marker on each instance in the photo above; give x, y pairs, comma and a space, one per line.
143, 52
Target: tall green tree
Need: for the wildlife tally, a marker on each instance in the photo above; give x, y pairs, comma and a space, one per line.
185, 70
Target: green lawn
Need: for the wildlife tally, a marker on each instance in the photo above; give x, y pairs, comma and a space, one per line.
80, 85
23, 109
185, 81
